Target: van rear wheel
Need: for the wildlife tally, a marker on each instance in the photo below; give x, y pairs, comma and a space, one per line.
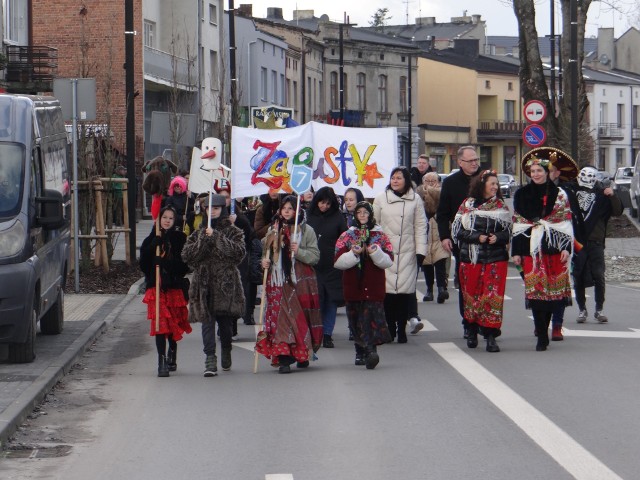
52, 322
26, 352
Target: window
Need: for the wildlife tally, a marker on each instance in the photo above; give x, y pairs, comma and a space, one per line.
487, 84
333, 90
274, 86
382, 56
510, 86
263, 83
314, 107
404, 107
620, 115
283, 93
403, 58
359, 54
603, 158
361, 91
603, 113
309, 94
634, 116
213, 14
510, 110
321, 95
620, 157
294, 99
287, 92
15, 21
149, 34
382, 93
215, 70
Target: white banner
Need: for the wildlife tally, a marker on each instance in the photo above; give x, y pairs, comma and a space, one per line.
339, 157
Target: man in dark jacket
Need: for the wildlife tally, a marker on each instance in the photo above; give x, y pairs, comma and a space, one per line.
420, 170
455, 188
592, 205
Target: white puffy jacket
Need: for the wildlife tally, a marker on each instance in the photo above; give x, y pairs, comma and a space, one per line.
405, 223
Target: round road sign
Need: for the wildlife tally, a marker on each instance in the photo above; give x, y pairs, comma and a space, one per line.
535, 111
534, 135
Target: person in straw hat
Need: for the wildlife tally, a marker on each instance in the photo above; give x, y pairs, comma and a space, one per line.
543, 238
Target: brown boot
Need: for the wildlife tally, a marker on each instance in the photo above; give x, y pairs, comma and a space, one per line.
556, 333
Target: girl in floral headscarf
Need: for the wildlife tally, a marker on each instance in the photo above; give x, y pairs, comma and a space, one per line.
482, 230
364, 251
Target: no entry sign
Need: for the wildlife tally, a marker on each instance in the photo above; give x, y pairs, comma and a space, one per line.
534, 136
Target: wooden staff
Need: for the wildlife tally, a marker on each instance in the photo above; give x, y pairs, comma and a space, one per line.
263, 301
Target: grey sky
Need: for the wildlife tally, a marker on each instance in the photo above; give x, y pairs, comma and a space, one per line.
499, 17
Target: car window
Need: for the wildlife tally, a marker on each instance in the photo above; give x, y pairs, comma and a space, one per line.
11, 175
503, 178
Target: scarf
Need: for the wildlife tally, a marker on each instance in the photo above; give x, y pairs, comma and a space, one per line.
465, 219
556, 225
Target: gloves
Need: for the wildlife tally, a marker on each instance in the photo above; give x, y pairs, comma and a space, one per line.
419, 259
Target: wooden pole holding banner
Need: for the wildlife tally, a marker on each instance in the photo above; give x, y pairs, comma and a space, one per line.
263, 300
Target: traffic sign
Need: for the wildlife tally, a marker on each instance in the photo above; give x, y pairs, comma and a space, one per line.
534, 135
535, 111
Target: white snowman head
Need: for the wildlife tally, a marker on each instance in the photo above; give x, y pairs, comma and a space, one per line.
587, 177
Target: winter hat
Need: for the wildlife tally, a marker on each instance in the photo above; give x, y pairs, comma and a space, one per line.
178, 180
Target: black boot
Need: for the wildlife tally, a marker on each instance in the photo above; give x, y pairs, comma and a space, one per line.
360, 355
327, 341
171, 359
472, 339
163, 370
429, 296
392, 329
225, 361
443, 294
542, 327
402, 331
492, 346
372, 359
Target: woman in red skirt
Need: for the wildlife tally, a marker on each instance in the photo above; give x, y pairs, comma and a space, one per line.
173, 305
482, 230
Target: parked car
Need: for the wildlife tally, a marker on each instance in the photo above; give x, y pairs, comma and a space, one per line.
508, 184
442, 177
621, 184
634, 188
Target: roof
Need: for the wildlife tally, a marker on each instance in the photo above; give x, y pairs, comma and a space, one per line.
417, 32
479, 63
509, 43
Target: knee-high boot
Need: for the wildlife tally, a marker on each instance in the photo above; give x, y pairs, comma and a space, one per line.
541, 320
402, 331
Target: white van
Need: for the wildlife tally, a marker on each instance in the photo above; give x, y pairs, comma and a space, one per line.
634, 187
35, 205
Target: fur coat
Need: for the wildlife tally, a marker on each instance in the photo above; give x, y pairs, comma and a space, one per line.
431, 198
216, 289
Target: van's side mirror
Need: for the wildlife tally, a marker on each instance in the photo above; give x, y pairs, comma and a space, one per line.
51, 210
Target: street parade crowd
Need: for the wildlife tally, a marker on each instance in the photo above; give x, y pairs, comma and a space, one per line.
318, 252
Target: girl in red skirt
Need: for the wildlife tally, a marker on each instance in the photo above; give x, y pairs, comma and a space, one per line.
173, 305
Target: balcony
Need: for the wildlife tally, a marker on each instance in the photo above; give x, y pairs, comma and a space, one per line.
30, 69
403, 117
168, 70
610, 131
489, 130
352, 118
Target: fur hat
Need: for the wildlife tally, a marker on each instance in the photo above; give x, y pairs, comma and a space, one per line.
178, 180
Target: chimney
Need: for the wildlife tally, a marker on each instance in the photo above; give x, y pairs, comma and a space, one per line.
302, 14
475, 19
606, 50
274, 13
426, 21
469, 47
246, 10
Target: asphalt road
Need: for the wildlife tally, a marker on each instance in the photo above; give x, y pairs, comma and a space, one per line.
432, 409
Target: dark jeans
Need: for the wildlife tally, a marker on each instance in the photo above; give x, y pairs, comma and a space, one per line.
209, 333
588, 269
440, 270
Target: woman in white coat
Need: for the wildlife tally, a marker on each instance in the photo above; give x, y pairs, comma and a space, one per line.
400, 213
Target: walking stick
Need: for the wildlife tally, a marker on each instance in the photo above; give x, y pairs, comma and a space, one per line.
260, 321
155, 212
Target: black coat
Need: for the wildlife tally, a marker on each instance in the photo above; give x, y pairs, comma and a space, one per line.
328, 227
172, 268
487, 253
455, 188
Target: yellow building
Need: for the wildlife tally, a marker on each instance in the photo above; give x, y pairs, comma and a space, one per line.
469, 99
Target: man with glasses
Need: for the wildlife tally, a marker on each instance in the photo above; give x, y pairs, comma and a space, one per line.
455, 188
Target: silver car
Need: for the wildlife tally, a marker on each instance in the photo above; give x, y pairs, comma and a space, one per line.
508, 184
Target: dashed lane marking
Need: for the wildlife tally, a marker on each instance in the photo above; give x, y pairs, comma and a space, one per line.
573, 457
278, 476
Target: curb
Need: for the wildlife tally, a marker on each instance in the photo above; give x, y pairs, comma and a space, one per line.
15, 414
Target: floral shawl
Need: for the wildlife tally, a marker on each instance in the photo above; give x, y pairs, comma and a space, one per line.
557, 226
465, 219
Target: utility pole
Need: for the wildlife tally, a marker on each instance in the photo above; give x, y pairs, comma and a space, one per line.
409, 133
232, 63
573, 63
129, 34
341, 68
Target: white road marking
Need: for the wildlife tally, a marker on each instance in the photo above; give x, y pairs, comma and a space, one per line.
572, 456
634, 333
278, 476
